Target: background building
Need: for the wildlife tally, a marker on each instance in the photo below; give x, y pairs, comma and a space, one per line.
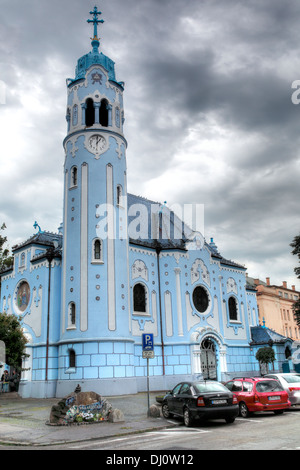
275, 307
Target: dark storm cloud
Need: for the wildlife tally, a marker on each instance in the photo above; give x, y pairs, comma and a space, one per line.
207, 93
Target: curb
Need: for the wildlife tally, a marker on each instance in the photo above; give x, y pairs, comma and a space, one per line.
76, 441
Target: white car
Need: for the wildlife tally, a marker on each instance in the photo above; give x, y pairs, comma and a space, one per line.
291, 383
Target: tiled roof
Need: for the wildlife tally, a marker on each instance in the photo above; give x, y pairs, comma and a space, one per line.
47, 239
176, 226
263, 335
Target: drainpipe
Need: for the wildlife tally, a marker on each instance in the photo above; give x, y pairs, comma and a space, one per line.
49, 256
158, 250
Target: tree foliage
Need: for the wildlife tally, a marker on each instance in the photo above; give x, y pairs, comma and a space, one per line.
6, 259
12, 335
265, 355
296, 251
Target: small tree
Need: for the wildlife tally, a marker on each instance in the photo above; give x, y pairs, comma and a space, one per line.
265, 356
12, 335
6, 259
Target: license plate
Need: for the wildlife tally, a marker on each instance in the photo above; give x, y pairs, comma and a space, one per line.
219, 402
274, 398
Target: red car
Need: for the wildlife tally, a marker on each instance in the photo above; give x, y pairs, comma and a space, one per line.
259, 394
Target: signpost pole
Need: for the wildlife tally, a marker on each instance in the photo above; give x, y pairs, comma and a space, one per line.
148, 388
148, 353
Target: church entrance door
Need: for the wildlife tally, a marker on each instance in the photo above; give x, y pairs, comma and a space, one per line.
208, 360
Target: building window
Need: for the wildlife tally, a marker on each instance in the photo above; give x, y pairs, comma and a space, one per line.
117, 117
119, 195
72, 313
72, 359
74, 176
75, 115
97, 251
68, 118
139, 298
89, 113
232, 307
200, 299
103, 113
22, 262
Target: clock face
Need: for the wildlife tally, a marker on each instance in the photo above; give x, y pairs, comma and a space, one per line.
97, 143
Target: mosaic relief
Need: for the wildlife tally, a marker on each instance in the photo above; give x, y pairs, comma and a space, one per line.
22, 296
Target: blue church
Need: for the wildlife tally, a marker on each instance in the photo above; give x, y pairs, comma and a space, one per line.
119, 266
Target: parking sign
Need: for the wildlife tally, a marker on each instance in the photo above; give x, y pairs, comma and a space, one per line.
148, 345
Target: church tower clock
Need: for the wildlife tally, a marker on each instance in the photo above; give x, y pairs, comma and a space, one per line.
95, 275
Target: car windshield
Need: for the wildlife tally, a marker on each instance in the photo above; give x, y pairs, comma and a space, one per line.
291, 379
209, 387
268, 386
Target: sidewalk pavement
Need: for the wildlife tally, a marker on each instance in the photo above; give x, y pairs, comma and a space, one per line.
23, 420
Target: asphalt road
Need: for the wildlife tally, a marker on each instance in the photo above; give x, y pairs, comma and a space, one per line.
263, 431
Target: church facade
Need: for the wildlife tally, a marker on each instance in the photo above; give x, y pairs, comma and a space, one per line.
120, 266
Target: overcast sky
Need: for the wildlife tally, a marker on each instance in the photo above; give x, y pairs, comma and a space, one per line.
209, 115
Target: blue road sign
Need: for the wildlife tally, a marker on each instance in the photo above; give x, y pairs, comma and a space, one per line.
148, 342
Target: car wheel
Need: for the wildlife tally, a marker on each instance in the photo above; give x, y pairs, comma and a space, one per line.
166, 412
230, 420
187, 418
244, 412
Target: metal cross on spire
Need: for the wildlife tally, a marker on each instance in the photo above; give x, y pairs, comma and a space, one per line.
95, 21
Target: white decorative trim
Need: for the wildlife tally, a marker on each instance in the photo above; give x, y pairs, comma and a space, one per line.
176, 254
139, 269
143, 251
65, 244
110, 250
195, 273
178, 301
231, 286
168, 313
84, 250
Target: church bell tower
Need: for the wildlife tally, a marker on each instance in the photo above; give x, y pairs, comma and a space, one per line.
95, 284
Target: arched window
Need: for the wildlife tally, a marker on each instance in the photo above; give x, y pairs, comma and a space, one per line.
119, 195
22, 263
68, 118
103, 113
75, 115
97, 251
74, 174
233, 310
72, 313
117, 117
89, 113
72, 359
139, 298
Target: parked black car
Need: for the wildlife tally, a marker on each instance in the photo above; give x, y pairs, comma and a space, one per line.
200, 400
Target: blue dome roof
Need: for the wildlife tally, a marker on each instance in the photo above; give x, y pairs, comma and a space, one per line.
93, 58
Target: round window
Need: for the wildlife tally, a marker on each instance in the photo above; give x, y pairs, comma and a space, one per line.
22, 296
200, 299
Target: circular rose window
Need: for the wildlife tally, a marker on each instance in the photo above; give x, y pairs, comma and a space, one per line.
22, 296
200, 299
